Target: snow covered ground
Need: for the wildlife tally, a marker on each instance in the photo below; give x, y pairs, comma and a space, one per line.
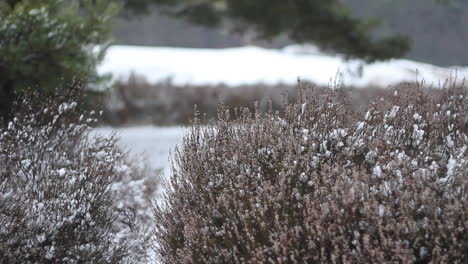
155, 143
252, 65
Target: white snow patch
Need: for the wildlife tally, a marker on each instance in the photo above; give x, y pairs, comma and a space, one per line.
360, 125
156, 143
451, 166
253, 65
62, 172
377, 171
381, 210
417, 117
450, 142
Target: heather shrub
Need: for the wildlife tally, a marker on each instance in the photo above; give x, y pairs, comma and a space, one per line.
322, 182
66, 196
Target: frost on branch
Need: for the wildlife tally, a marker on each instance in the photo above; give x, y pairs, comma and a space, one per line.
61, 191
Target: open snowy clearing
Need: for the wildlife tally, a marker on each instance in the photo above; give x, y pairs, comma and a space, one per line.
253, 65
155, 143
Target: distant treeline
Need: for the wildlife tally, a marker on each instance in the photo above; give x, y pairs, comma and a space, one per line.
438, 31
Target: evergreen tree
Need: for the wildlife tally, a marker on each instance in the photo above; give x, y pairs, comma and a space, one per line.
45, 44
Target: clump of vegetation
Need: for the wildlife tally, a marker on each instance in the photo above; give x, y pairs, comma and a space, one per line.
46, 43
64, 194
319, 182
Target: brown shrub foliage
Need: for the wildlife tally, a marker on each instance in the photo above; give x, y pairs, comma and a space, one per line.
320, 182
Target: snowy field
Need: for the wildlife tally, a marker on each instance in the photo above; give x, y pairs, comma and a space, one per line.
155, 143
253, 65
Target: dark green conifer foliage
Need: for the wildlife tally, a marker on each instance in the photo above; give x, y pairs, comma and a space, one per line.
47, 43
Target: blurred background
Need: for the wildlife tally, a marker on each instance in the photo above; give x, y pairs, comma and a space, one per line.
438, 31
171, 55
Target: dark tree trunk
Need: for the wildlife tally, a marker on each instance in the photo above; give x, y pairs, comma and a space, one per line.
6, 101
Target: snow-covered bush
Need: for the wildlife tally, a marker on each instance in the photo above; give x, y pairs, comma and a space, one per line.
320, 182
63, 193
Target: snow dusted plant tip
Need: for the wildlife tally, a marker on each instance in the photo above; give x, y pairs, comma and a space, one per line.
59, 191
320, 182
